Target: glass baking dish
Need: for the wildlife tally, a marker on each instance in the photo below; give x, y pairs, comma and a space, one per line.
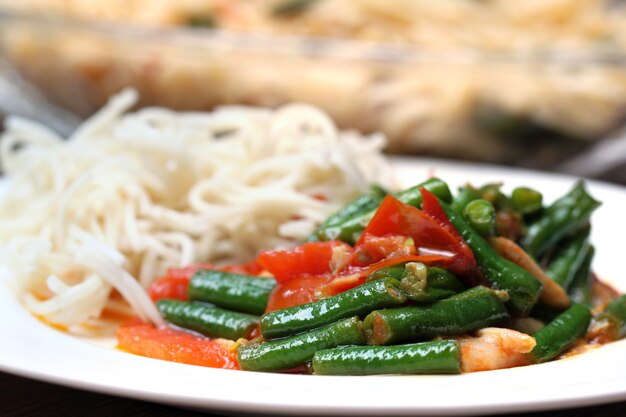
527, 107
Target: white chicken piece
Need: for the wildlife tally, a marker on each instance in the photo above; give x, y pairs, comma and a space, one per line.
495, 348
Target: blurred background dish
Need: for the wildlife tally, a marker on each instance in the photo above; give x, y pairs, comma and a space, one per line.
530, 83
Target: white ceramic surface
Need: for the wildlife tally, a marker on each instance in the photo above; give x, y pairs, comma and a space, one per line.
31, 349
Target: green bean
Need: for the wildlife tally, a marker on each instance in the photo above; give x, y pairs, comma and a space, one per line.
207, 319
427, 284
395, 271
349, 228
523, 288
460, 314
562, 218
526, 200
464, 196
613, 319
481, 215
580, 288
245, 293
296, 350
413, 195
568, 259
434, 357
363, 204
357, 301
561, 333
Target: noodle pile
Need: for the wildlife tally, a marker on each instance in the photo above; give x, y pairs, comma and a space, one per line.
128, 195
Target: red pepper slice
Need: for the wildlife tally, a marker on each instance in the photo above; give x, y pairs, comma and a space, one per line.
311, 258
296, 291
173, 345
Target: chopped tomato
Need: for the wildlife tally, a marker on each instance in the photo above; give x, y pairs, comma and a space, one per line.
464, 264
353, 276
430, 229
250, 268
174, 287
396, 218
311, 258
296, 291
306, 288
173, 345
372, 249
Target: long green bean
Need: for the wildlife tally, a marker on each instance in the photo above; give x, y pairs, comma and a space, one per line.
523, 288
439, 356
357, 301
568, 259
465, 312
561, 333
349, 226
245, 293
291, 351
563, 217
207, 319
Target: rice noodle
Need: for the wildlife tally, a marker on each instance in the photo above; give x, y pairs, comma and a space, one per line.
129, 195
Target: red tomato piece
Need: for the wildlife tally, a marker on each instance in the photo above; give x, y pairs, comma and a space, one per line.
311, 258
353, 276
176, 346
464, 263
296, 291
174, 287
372, 249
250, 268
396, 218
432, 233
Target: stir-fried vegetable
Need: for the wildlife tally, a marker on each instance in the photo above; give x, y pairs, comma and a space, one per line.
348, 224
523, 288
561, 333
176, 346
471, 310
436, 357
357, 301
245, 293
295, 350
207, 319
569, 258
566, 215
415, 266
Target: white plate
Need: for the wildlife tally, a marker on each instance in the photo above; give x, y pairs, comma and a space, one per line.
31, 349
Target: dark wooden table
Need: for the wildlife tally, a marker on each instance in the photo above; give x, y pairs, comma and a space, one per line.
21, 397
